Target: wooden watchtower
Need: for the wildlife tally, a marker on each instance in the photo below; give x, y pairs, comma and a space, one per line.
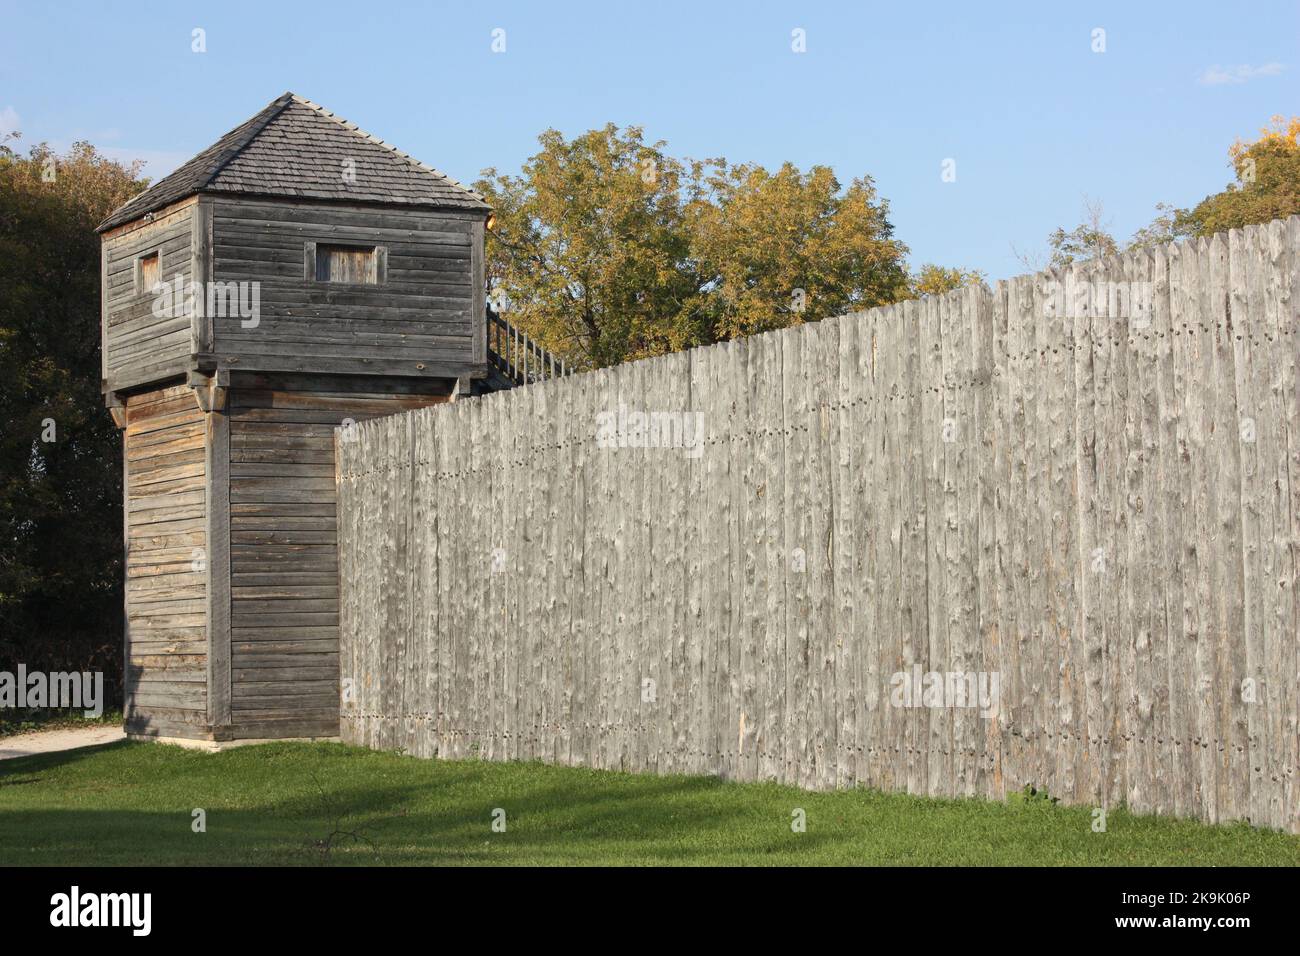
297, 274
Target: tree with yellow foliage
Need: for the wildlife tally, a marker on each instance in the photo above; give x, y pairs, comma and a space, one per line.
1267, 187
933, 279
606, 249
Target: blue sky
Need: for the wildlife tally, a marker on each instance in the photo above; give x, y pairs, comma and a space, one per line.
1034, 119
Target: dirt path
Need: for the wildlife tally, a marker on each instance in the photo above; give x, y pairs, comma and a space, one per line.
51, 741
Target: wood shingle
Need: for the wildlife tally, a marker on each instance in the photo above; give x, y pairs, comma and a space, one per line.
294, 148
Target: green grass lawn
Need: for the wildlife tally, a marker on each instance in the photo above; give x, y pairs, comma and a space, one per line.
131, 803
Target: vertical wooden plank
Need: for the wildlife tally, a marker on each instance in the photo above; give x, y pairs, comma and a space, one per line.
821, 341
1107, 558
968, 394
128, 678
1088, 566
1227, 544
217, 466
791, 637
959, 501
1201, 395
499, 559
642, 477
661, 518
1024, 552
1144, 539
1182, 478
744, 652
897, 750
523, 570
422, 723
730, 518
1171, 696
1061, 663
348, 585
1277, 376
846, 563
1247, 336
875, 509
478, 313
103, 328
709, 618
465, 416
567, 524
1288, 397
609, 531
632, 534
1255, 306
914, 442
930, 429
542, 559
583, 424
863, 509
444, 682
202, 325
1004, 577
985, 737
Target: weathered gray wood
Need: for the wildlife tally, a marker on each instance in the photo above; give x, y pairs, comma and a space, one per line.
264, 241
1020, 483
202, 331
165, 608
136, 342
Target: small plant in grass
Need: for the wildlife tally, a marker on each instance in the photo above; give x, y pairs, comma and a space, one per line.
1031, 796
340, 833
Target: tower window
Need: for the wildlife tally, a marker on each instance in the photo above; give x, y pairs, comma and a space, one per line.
356, 264
148, 272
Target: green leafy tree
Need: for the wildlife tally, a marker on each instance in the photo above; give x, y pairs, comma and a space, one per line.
1169, 225
60, 460
606, 248
1091, 239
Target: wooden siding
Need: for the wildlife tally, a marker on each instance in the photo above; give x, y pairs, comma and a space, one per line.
283, 543
140, 347
166, 558
417, 320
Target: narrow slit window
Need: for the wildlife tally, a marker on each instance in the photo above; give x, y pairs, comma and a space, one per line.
357, 264
150, 272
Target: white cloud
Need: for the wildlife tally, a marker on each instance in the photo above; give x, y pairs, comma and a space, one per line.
1221, 75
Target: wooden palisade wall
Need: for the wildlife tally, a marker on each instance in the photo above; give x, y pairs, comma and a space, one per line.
1103, 512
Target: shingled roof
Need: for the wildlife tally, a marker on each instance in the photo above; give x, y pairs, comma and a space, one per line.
294, 148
